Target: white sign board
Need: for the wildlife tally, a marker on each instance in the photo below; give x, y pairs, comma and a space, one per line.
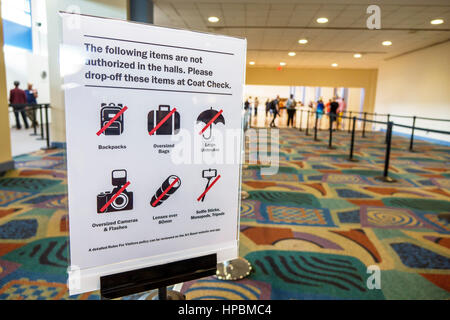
154, 140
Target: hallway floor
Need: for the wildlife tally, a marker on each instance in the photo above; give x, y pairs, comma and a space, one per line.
314, 230
23, 141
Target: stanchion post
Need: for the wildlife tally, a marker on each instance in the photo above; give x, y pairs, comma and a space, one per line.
47, 130
352, 144
307, 124
330, 140
162, 293
374, 119
411, 141
364, 125
301, 119
385, 177
34, 122
388, 120
349, 123
388, 151
386, 136
42, 123
315, 128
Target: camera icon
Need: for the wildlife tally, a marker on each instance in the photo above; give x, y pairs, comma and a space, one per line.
118, 199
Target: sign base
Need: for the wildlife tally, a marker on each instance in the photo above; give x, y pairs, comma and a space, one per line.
171, 295
386, 179
141, 280
235, 269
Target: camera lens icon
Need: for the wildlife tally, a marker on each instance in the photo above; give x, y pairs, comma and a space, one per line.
121, 202
168, 187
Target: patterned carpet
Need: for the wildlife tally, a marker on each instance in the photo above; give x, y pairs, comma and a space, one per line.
310, 232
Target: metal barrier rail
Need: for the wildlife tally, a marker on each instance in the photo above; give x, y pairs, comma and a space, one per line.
397, 116
422, 129
389, 124
389, 130
43, 111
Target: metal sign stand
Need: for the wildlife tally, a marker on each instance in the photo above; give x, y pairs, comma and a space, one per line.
235, 269
385, 177
164, 294
157, 277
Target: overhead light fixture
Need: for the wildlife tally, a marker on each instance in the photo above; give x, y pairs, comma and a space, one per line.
213, 19
251, 62
291, 54
334, 64
437, 21
302, 41
282, 63
357, 55
386, 43
322, 20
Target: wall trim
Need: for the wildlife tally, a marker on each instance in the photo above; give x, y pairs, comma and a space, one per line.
418, 137
418, 49
58, 145
5, 166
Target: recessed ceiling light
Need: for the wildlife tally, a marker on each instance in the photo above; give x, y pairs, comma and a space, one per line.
322, 20
213, 19
357, 55
302, 41
291, 54
437, 21
282, 63
251, 62
386, 43
334, 64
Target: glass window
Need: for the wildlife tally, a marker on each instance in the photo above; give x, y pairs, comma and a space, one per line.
18, 11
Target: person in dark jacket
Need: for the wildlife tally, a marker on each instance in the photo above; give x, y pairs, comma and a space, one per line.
246, 105
333, 112
31, 94
274, 110
18, 99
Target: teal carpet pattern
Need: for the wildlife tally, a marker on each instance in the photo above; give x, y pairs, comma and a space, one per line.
317, 229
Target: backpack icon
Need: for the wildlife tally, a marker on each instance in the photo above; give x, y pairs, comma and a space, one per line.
107, 112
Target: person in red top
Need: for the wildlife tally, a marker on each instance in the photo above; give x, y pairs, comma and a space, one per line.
18, 99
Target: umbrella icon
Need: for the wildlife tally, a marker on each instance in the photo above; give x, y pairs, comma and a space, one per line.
210, 117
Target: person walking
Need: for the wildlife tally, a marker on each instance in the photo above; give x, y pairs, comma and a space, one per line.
31, 95
327, 106
290, 107
18, 99
333, 112
341, 111
320, 109
274, 110
246, 105
256, 106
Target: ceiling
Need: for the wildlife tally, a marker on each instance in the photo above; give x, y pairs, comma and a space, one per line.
273, 28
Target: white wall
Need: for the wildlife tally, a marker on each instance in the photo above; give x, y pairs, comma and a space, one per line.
417, 84
266, 92
103, 8
39, 16
26, 66
327, 94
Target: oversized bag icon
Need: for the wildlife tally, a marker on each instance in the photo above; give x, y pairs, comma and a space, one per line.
170, 127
